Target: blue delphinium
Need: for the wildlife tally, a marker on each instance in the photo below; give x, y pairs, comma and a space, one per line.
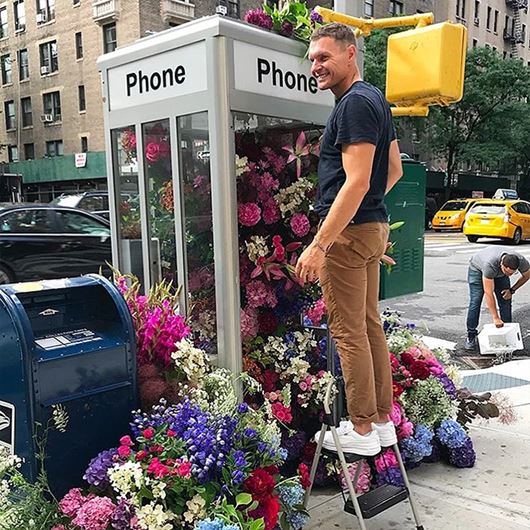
415, 448
215, 524
96, 473
451, 434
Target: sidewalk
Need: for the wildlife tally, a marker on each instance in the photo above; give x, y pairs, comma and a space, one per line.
493, 495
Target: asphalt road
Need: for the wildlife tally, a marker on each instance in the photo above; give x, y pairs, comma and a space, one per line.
441, 307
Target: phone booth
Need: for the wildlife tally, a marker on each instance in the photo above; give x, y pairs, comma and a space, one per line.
182, 110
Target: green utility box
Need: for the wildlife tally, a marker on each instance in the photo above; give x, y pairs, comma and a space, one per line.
406, 202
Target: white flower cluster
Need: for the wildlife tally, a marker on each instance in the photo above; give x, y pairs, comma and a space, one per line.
454, 374
5, 489
127, 479
196, 509
241, 165
190, 360
297, 371
257, 248
152, 516
222, 398
8, 461
204, 325
398, 343
291, 198
281, 351
60, 417
317, 392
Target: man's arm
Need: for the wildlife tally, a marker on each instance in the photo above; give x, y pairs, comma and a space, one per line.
489, 287
395, 168
525, 276
357, 160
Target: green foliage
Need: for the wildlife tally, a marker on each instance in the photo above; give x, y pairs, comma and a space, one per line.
297, 14
470, 406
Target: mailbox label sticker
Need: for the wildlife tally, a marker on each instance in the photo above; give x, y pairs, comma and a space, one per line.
7, 426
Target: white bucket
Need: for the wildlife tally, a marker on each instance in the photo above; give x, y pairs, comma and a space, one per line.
493, 340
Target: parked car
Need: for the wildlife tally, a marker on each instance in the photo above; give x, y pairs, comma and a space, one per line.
43, 241
451, 215
503, 219
96, 202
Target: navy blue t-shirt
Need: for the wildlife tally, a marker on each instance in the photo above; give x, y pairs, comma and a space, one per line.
361, 114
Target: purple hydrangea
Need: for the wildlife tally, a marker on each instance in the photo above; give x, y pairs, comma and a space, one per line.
294, 444
258, 17
448, 385
451, 434
463, 456
316, 17
390, 475
96, 473
436, 454
121, 518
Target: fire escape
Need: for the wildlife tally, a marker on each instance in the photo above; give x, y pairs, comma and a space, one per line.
514, 35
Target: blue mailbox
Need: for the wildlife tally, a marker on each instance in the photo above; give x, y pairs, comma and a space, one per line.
65, 342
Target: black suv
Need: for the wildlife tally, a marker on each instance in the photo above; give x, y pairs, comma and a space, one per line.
96, 202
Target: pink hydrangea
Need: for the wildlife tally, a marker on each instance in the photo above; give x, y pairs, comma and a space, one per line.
300, 224
386, 460
396, 413
249, 323
316, 312
95, 514
405, 429
271, 212
249, 213
72, 502
260, 295
365, 476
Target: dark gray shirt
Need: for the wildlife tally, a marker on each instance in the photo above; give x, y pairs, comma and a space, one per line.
488, 261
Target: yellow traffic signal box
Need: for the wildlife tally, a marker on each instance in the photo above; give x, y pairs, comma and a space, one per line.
425, 66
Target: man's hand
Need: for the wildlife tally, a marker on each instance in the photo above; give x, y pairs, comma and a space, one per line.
506, 294
498, 322
310, 264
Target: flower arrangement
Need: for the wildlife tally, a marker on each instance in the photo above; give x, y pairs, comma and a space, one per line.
293, 19
189, 468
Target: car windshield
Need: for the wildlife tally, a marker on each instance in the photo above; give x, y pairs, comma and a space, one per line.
489, 209
67, 200
454, 206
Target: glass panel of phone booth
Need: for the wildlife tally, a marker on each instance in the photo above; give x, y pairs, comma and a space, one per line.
127, 191
160, 205
276, 164
196, 192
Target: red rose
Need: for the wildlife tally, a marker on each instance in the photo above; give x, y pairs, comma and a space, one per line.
126, 440
269, 509
270, 378
420, 370
124, 451
171, 434
260, 484
305, 480
397, 390
407, 358
148, 433
140, 455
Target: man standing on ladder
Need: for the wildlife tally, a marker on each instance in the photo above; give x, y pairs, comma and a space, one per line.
359, 162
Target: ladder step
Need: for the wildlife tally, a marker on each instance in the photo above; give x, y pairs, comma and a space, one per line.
378, 500
349, 457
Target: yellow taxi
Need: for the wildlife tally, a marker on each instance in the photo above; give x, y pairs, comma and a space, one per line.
451, 215
506, 219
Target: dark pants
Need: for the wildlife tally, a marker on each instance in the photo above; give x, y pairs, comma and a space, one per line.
476, 293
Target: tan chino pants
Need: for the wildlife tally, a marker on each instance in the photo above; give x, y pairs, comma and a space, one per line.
350, 285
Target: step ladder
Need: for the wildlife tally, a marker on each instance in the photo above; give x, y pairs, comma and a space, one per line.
375, 501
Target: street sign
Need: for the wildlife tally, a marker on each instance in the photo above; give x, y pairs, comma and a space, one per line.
80, 160
7, 426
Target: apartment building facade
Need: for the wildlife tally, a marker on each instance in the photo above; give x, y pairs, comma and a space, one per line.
51, 123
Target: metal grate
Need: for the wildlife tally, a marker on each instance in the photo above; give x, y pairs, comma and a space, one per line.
491, 381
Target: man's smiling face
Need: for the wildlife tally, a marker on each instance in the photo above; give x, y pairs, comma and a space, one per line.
331, 64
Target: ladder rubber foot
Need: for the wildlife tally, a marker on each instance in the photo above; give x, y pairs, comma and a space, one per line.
420, 527
378, 500
349, 457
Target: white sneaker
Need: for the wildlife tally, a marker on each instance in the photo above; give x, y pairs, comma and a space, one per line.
386, 432
354, 443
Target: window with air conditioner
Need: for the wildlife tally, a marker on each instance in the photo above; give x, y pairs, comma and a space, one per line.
9, 113
20, 15
27, 112
51, 105
23, 64
4, 31
6, 66
48, 58
45, 11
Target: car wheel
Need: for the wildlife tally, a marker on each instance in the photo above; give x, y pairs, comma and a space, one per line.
516, 239
6, 276
472, 239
